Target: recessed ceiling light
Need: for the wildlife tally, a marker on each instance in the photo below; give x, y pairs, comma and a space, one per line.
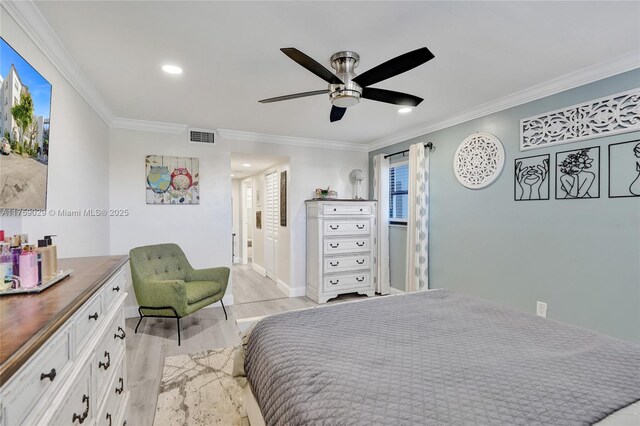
406, 110
231, 174
172, 69
246, 165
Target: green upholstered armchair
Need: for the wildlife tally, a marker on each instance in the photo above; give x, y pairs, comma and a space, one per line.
166, 285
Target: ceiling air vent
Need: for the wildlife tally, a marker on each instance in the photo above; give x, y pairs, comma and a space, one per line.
201, 136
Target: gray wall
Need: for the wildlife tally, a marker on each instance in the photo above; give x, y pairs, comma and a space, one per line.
582, 257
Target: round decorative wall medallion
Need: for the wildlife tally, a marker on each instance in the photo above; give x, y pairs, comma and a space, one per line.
478, 160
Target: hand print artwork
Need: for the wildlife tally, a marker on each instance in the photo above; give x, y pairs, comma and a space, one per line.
531, 178
578, 174
172, 180
624, 169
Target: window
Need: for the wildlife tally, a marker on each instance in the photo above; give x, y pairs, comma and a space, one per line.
398, 193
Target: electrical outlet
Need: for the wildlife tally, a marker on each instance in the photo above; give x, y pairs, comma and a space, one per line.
541, 309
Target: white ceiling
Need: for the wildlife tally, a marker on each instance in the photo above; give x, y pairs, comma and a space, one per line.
257, 163
231, 58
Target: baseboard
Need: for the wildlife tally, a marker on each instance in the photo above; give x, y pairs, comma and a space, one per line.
259, 269
297, 292
132, 311
291, 291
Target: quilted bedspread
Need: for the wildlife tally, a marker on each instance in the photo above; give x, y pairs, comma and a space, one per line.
435, 357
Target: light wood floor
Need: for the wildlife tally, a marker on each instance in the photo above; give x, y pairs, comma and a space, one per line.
203, 330
249, 286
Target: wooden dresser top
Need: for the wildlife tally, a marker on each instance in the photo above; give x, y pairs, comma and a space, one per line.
27, 321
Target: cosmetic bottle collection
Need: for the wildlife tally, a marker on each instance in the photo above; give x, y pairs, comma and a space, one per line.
25, 266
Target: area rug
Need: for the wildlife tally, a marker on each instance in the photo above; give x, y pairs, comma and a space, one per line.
198, 389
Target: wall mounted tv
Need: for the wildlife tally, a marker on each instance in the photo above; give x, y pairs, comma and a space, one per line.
25, 106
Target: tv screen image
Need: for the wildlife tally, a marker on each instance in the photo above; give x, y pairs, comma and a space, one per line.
25, 106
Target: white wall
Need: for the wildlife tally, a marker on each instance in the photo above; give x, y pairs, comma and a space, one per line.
204, 230
78, 175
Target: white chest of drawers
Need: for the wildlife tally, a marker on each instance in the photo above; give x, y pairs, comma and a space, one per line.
70, 368
341, 246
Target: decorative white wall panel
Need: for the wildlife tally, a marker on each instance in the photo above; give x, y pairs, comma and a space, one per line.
619, 113
478, 160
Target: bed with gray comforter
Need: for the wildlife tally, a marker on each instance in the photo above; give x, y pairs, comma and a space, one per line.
435, 357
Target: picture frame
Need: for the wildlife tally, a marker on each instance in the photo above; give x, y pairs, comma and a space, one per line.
624, 169
283, 198
578, 174
531, 178
172, 180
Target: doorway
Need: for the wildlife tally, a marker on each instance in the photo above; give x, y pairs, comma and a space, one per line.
263, 267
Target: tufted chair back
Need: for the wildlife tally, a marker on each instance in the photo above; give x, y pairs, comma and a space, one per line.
158, 262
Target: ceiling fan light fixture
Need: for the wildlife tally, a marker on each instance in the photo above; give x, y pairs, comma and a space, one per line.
405, 110
345, 98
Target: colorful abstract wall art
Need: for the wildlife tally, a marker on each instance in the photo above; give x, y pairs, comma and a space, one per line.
624, 169
578, 174
172, 180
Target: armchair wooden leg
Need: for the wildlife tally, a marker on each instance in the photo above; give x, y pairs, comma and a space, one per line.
225, 311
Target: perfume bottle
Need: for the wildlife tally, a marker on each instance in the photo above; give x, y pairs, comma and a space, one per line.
28, 268
6, 266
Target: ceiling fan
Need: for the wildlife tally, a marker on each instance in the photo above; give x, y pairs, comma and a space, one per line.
346, 88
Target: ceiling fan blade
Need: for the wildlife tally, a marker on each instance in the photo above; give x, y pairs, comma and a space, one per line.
311, 64
390, 97
337, 113
394, 66
294, 96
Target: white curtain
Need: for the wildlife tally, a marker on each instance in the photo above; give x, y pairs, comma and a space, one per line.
418, 219
381, 193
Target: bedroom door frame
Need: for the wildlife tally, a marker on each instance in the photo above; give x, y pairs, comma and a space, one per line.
245, 217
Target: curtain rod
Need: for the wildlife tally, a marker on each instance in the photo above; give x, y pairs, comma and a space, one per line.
426, 145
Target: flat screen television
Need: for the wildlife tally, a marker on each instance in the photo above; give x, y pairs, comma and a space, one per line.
25, 107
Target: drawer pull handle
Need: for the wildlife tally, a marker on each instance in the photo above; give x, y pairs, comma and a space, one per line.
120, 336
334, 245
334, 210
81, 418
50, 376
119, 390
359, 279
360, 209
334, 283
334, 263
334, 228
360, 244
107, 364
108, 417
117, 288
360, 226
360, 261
94, 316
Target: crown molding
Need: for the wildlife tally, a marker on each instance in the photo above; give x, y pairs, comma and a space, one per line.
30, 19
147, 126
572, 80
291, 140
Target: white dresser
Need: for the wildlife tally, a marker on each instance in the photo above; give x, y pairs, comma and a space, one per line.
341, 247
66, 362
